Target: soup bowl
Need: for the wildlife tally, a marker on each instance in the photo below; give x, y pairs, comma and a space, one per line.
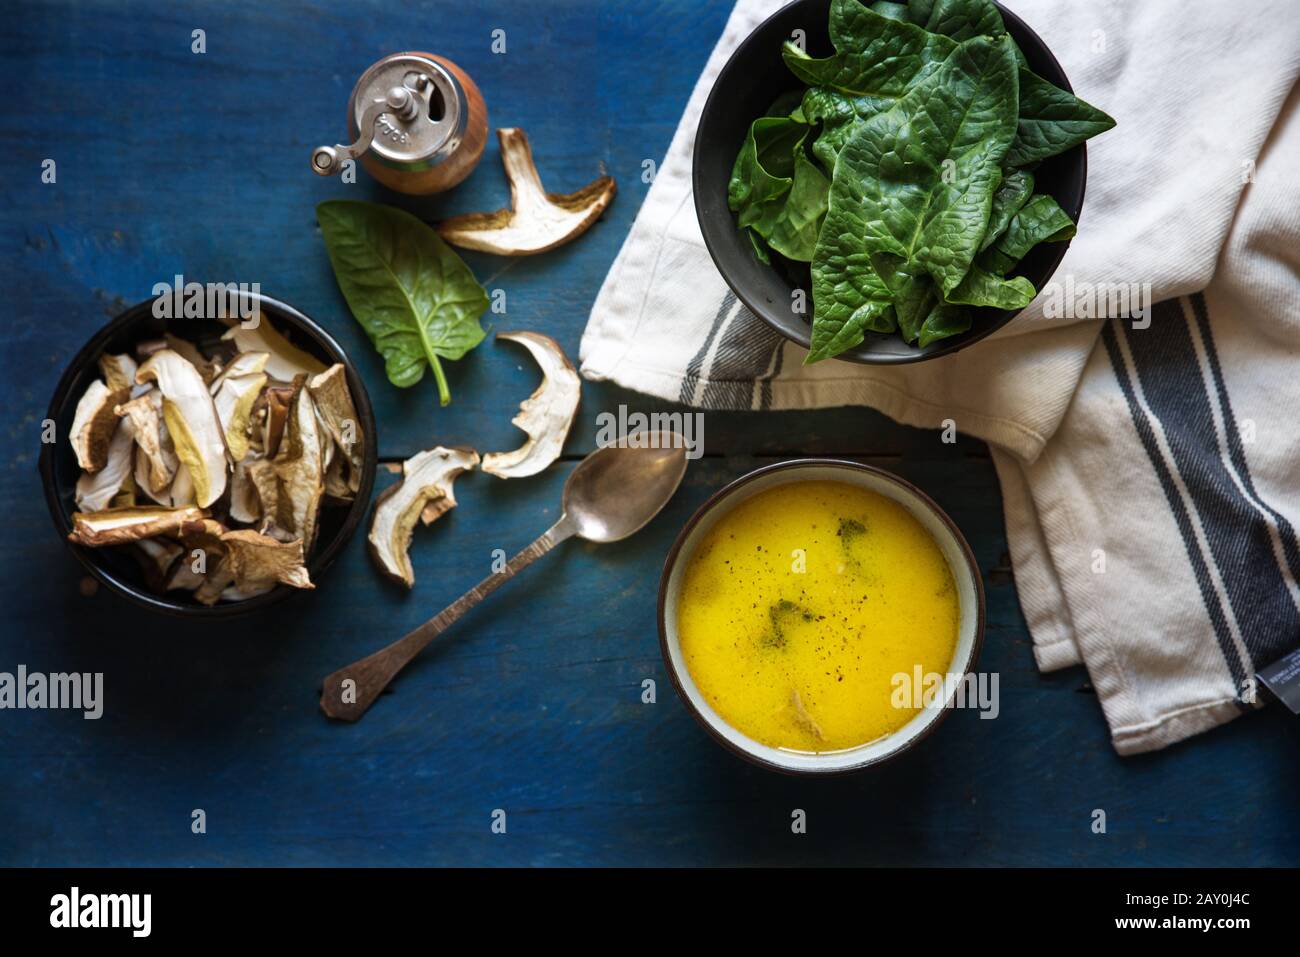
952, 545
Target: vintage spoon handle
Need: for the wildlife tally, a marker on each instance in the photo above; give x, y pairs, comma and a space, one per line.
371, 675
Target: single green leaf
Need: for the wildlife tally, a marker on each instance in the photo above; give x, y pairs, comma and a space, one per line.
416, 299
943, 321
1051, 121
982, 288
1011, 195
759, 244
793, 230
834, 334
895, 11
877, 59
764, 168
874, 55
959, 19
1040, 221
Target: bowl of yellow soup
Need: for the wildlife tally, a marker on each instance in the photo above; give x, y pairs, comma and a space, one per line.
817, 616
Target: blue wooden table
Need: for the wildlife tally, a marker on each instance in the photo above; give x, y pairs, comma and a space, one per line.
174, 162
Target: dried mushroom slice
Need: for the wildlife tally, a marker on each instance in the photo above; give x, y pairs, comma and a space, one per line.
116, 526
118, 371
245, 502
191, 354
278, 399
191, 420
330, 392
126, 496
178, 494
142, 417
94, 423
246, 363
96, 490
536, 220
426, 477
546, 415
259, 561
338, 488
300, 469
234, 402
156, 557
284, 360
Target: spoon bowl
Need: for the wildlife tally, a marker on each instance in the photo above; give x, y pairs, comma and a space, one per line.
617, 489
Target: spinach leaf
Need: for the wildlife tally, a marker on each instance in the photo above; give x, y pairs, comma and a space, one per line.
895, 11
1040, 221
914, 206
943, 321
874, 55
764, 167
959, 19
911, 197
416, 299
793, 230
877, 59
776, 191
1051, 121
922, 175
1014, 192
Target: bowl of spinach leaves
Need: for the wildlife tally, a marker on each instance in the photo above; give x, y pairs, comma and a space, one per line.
889, 182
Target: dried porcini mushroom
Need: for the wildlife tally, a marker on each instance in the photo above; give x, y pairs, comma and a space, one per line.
300, 469
191, 420
284, 360
277, 413
94, 423
259, 561
191, 354
536, 220
96, 490
142, 418
546, 415
426, 477
156, 557
245, 363
118, 371
234, 402
329, 391
216, 419
115, 526
245, 502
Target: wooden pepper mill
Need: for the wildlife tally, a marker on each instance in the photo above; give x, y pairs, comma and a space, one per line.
417, 122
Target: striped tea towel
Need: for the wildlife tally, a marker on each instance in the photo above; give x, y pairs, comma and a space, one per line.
1142, 462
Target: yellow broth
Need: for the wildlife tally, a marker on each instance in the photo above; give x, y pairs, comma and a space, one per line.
801, 604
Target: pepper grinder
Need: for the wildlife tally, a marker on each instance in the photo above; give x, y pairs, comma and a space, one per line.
417, 122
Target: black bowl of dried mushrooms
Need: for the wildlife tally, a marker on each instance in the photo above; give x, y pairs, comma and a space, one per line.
211, 464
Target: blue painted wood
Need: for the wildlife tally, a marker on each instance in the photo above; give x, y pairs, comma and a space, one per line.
171, 162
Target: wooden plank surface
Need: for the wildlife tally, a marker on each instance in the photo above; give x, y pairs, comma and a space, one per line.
174, 162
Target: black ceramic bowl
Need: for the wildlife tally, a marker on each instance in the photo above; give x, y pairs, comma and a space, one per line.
748, 84
59, 470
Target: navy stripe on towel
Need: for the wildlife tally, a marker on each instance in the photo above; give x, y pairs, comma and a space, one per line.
1238, 535
1110, 333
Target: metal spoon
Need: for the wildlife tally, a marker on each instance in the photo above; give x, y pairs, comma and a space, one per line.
612, 493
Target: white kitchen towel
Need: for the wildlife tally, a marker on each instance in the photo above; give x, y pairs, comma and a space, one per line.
1101, 464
